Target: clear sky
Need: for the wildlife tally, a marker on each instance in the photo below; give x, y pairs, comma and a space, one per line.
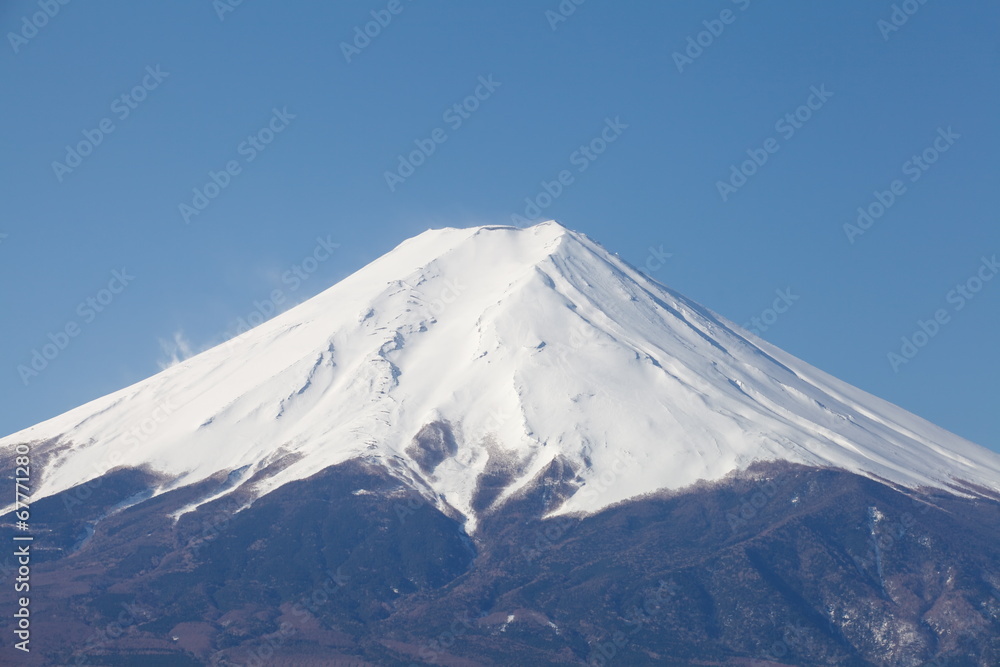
116, 113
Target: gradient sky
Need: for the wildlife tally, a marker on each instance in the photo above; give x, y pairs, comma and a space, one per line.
225, 68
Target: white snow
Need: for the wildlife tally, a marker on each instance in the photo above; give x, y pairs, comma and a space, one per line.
532, 343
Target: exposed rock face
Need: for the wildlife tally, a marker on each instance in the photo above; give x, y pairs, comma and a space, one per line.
432, 445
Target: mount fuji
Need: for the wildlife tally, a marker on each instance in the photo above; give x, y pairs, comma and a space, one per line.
521, 390
530, 345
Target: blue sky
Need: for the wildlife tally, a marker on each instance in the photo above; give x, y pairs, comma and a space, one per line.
117, 114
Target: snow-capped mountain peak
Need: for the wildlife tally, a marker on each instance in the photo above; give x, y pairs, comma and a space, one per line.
503, 351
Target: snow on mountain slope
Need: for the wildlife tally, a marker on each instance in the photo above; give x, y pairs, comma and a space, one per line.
531, 344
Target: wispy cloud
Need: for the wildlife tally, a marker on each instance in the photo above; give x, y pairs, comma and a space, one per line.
175, 351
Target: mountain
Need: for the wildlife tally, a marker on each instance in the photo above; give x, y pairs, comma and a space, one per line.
536, 344
518, 431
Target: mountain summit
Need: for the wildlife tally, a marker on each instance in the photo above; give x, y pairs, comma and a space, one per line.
505, 355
